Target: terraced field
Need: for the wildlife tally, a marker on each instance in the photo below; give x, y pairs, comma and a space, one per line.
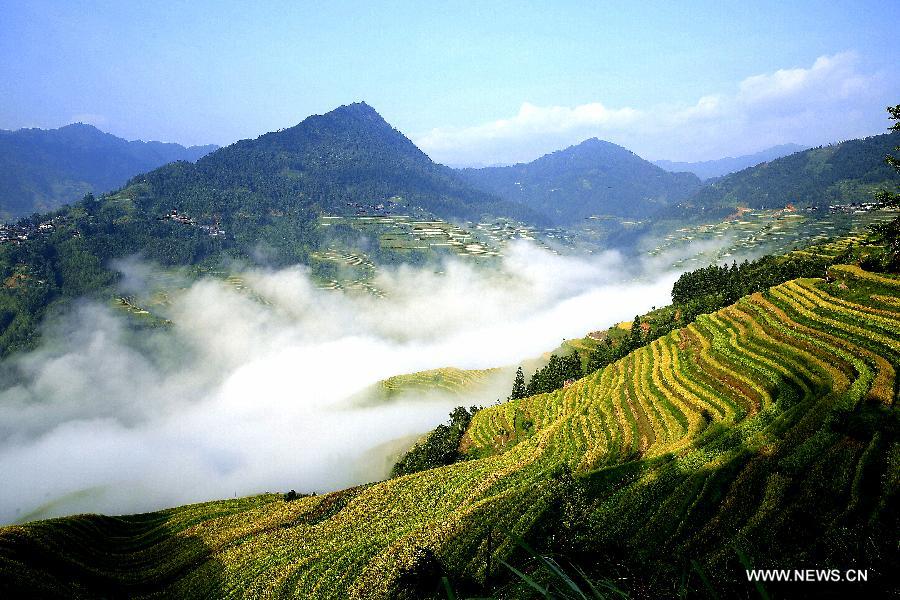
754, 232
770, 426
445, 382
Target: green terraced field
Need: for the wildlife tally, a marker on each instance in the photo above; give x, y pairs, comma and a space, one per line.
447, 382
770, 426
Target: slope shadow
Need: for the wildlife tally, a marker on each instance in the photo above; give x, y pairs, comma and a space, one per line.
94, 556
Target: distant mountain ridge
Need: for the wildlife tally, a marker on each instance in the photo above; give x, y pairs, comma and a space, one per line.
845, 172
42, 169
708, 169
594, 177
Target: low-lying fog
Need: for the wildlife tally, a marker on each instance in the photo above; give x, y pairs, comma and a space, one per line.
247, 390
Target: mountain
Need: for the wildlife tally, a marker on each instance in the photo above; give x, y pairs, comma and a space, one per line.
763, 434
43, 169
709, 169
846, 172
257, 201
344, 162
592, 178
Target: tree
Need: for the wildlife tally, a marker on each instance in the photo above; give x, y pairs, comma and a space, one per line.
889, 233
554, 375
439, 448
91, 204
637, 334
518, 389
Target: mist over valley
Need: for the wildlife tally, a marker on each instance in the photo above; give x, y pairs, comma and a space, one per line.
539, 302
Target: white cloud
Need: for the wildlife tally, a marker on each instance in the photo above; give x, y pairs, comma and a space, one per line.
834, 76
249, 391
533, 119
828, 101
509, 140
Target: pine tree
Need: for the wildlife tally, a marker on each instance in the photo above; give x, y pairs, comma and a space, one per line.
518, 389
637, 335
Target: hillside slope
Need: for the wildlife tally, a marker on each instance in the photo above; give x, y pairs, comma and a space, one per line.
41, 170
844, 172
592, 178
342, 162
770, 426
707, 169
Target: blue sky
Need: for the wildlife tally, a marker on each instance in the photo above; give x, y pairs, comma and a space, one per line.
478, 82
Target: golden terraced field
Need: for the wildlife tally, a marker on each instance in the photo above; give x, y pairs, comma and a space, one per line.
769, 426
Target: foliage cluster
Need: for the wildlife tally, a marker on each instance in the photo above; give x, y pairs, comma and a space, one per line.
439, 448
889, 233
554, 374
710, 288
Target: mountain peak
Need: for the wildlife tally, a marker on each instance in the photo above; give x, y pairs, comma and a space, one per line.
597, 143
353, 115
356, 109
594, 177
79, 126
83, 130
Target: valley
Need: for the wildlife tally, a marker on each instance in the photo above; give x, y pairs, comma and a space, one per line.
320, 363
671, 437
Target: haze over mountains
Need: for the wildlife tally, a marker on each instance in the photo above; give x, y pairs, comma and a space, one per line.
593, 178
846, 172
708, 169
350, 160
603, 179
43, 169
256, 201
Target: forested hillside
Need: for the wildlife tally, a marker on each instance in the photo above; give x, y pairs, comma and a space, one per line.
343, 162
41, 170
592, 178
846, 172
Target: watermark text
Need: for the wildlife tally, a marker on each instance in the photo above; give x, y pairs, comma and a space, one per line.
809, 575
